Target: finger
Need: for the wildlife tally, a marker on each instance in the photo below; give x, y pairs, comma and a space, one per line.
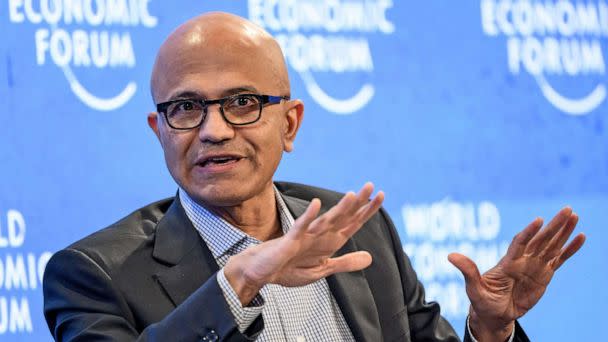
361, 199
520, 241
537, 243
349, 262
554, 246
364, 214
364, 194
570, 250
471, 274
310, 214
330, 219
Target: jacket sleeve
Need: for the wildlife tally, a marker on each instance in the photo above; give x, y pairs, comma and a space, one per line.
425, 320
82, 304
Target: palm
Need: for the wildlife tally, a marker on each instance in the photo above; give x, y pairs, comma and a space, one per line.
511, 288
305, 253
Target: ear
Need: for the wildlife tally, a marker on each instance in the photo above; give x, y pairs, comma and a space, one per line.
293, 120
153, 123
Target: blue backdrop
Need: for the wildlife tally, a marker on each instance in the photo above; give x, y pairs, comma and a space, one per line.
473, 116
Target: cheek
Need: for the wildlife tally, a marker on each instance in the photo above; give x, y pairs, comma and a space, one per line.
270, 150
175, 147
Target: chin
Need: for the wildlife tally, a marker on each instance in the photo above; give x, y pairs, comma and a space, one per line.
220, 196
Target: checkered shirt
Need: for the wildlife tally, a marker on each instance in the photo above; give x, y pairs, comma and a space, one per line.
306, 313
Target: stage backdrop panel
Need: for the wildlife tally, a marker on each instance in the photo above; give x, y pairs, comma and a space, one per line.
473, 116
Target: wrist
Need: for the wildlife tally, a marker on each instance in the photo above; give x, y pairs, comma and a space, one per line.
245, 288
489, 330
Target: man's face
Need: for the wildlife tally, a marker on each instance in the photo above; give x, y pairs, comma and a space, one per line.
219, 164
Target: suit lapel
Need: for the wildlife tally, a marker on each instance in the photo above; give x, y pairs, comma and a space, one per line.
179, 246
351, 290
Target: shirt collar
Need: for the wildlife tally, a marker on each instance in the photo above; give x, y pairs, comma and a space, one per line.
219, 235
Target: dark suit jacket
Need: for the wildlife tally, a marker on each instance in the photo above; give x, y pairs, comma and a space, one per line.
150, 277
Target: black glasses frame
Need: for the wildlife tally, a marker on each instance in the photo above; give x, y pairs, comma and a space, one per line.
262, 99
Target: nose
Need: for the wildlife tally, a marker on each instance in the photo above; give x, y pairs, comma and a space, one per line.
214, 128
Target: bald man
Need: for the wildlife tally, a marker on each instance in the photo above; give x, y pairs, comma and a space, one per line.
237, 257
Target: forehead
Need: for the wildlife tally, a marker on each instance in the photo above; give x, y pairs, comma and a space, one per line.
211, 66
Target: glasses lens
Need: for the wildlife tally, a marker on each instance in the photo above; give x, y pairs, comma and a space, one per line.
242, 109
184, 114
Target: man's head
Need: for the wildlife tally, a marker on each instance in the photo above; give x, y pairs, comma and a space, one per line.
210, 57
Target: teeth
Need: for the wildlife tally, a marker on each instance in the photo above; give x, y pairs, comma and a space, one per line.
218, 160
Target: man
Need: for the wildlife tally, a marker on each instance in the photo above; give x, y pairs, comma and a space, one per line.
236, 257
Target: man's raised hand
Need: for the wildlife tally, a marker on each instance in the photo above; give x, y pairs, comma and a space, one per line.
511, 288
304, 254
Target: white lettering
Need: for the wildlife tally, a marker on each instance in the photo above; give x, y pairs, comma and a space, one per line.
117, 12
318, 53
19, 271
83, 49
13, 11
566, 18
20, 319
93, 12
42, 46
94, 17
61, 47
100, 49
146, 19
32, 268
331, 15
31, 15
15, 275
15, 315
447, 219
16, 228
72, 10
3, 315
81, 45
42, 261
488, 20
527, 18
121, 50
552, 56
51, 11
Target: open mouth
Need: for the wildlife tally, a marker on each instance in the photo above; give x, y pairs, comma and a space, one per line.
220, 160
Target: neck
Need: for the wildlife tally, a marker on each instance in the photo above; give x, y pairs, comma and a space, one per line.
257, 216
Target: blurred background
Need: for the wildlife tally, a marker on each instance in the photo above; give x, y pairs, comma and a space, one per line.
474, 117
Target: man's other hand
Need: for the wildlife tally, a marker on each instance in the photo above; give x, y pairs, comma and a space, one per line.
511, 288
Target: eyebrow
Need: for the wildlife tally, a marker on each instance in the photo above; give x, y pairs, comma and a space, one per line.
189, 94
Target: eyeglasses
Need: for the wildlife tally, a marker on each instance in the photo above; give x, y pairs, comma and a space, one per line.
238, 110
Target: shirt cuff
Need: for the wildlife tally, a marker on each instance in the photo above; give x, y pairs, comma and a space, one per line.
243, 316
475, 340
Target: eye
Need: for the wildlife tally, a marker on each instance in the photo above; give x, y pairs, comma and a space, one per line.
183, 107
243, 101
186, 105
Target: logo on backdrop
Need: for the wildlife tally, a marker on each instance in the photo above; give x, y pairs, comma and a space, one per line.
553, 38
20, 274
435, 230
100, 40
326, 37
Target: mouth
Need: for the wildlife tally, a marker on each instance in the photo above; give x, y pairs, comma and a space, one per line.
218, 160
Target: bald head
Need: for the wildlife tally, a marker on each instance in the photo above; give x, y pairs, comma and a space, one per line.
218, 42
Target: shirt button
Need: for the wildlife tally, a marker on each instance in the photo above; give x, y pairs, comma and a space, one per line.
211, 336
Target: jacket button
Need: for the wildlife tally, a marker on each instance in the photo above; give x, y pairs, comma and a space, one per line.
211, 336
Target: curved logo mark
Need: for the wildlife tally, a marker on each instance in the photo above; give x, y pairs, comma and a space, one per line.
95, 102
327, 38
553, 38
576, 107
342, 107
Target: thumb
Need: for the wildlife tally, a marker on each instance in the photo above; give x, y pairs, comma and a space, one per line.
468, 269
350, 262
